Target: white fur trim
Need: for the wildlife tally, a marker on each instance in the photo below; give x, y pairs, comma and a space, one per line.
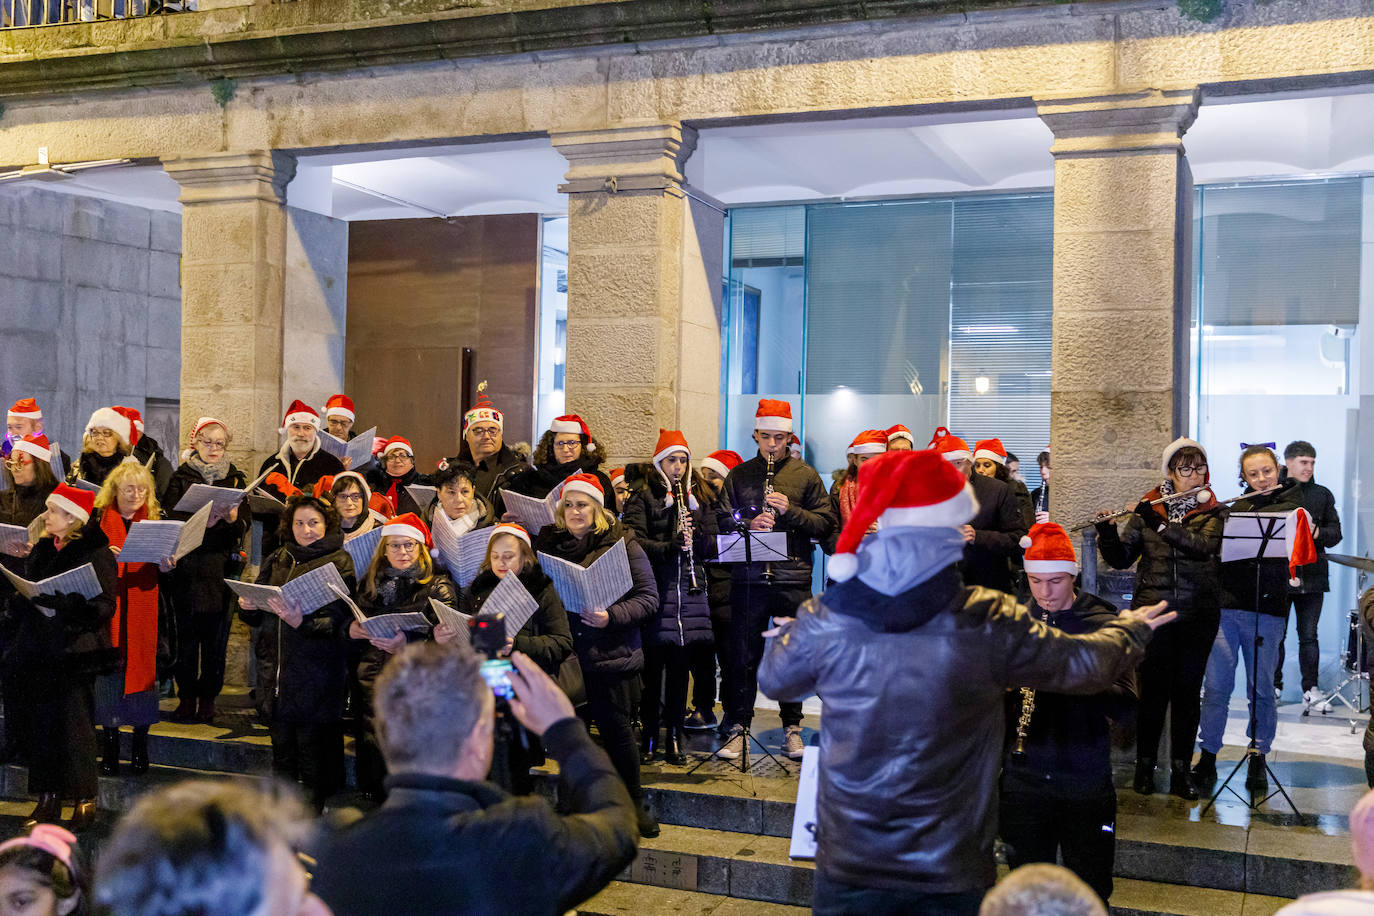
108, 418
339, 412
22, 415
658, 459
512, 530
867, 448
990, 454
716, 465
953, 512
1025, 542
900, 434
581, 486
1180, 443
300, 416
483, 415
1049, 567
66, 505
842, 567
394, 446
565, 426
33, 448
773, 424
403, 530
957, 455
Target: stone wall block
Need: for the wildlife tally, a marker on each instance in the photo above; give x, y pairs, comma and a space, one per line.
32, 255
601, 218
91, 218
222, 294
624, 283
1103, 427
163, 369
1105, 271
1116, 193
104, 266
166, 232
30, 304
611, 353
34, 211
1111, 352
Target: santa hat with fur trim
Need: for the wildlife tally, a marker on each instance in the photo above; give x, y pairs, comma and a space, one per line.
898, 431
73, 501
1180, 443
514, 530
572, 423
37, 446
398, 442
299, 412
339, 405
991, 449
903, 489
723, 461
408, 526
773, 416
1049, 550
669, 441
952, 448
135, 423
617, 476
110, 418
868, 442
25, 409
1302, 549
584, 483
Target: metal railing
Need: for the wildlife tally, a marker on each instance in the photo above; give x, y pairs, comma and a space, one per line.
23, 14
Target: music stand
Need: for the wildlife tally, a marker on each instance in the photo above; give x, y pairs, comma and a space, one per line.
1254, 536
745, 546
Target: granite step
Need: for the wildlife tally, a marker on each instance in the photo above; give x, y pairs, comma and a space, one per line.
741, 865
621, 898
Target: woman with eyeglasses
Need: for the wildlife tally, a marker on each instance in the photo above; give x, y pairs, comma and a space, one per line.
202, 604
456, 502
566, 448
108, 440
1178, 544
394, 472
352, 498
129, 696
400, 579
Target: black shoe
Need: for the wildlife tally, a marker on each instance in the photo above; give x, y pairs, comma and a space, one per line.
47, 811
1257, 779
673, 740
1144, 782
83, 816
1181, 780
185, 711
648, 826
648, 747
700, 721
1205, 772
205, 711
109, 752
138, 754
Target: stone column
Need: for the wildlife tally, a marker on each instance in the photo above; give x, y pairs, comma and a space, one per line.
1123, 196
233, 232
644, 289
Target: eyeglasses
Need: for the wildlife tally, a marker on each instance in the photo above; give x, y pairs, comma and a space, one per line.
403, 546
101, 434
399, 456
133, 490
575, 443
1187, 470
483, 432
214, 445
354, 497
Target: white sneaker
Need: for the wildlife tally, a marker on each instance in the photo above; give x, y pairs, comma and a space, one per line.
735, 746
793, 746
1316, 701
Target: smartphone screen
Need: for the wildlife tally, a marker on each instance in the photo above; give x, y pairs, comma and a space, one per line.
496, 672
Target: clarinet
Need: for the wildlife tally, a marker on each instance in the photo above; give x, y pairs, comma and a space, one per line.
682, 522
767, 574
1023, 723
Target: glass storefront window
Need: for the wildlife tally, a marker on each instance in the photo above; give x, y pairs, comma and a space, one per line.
553, 322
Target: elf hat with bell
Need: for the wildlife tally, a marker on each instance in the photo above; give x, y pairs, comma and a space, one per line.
903, 489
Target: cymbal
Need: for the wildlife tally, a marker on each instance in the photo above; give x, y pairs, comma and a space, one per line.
1364, 563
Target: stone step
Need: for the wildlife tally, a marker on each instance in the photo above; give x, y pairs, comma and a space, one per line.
1151, 898
740, 865
621, 898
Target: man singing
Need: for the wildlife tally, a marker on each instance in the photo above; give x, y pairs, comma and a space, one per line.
301, 460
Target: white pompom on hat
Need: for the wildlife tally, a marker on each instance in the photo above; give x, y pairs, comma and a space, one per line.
1049, 550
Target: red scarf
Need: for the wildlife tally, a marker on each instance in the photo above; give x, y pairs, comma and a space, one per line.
136, 599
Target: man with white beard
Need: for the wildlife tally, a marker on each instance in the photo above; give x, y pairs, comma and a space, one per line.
301, 461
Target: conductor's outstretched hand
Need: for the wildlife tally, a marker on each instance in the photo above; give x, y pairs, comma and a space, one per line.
539, 701
1156, 615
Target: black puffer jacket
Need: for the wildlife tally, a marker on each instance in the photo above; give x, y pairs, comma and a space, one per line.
997, 533
810, 515
410, 596
76, 639
20, 506
1179, 564
197, 583
540, 480
617, 646
910, 753
1261, 585
683, 618
546, 637
302, 670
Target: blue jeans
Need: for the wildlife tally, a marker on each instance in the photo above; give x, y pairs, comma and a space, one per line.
1236, 636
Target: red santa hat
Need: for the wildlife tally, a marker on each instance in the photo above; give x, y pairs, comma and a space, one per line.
482, 411
339, 405
940, 433
584, 483
201, 424
135, 423
398, 442
898, 431
112, 419
408, 526
991, 449
903, 489
37, 446
572, 423
617, 476
868, 442
722, 462
73, 501
773, 416
25, 409
1302, 549
951, 447
1049, 550
669, 441
299, 412
514, 530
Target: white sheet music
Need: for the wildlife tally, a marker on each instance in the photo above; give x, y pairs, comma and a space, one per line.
804, 814
359, 449
150, 542
457, 620
333, 444
361, 549
511, 598
423, 494
382, 626
55, 460
203, 494
533, 514
308, 592
764, 546
81, 580
257, 595
13, 539
461, 554
598, 586
1245, 532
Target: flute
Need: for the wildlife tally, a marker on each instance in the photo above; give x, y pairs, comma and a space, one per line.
1154, 502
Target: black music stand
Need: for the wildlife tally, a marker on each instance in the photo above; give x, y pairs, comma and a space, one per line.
1257, 536
739, 547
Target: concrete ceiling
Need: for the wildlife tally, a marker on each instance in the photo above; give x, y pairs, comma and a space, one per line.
857, 158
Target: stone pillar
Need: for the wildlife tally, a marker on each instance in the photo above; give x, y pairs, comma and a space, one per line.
1123, 196
233, 233
644, 289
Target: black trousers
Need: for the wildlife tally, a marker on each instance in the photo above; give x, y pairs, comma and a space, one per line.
665, 677
369, 767
1309, 609
835, 898
202, 639
703, 659
309, 753
61, 726
752, 606
1041, 826
1171, 681
14, 694
609, 704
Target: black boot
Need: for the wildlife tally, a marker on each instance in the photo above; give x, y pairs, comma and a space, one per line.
672, 747
1181, 780
109, 752
1144, 782
138, 754
47, 811
648, 745
83, 815
1205, 773
1257, 779
648, 825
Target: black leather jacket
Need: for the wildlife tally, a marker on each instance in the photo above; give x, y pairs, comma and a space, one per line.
1180, 564
910, 751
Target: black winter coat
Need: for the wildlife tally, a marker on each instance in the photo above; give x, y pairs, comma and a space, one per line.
547, 636
381, 482
20, 506
411, 596
197, 582
76, 639
92, 468
683, 618
1179, 563
1069, 743
147, 450
540, 480
615, 648
810, 516
1261, 585
302, 670
718, 575
997, 532
302, 473
492, 473
1321, 505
